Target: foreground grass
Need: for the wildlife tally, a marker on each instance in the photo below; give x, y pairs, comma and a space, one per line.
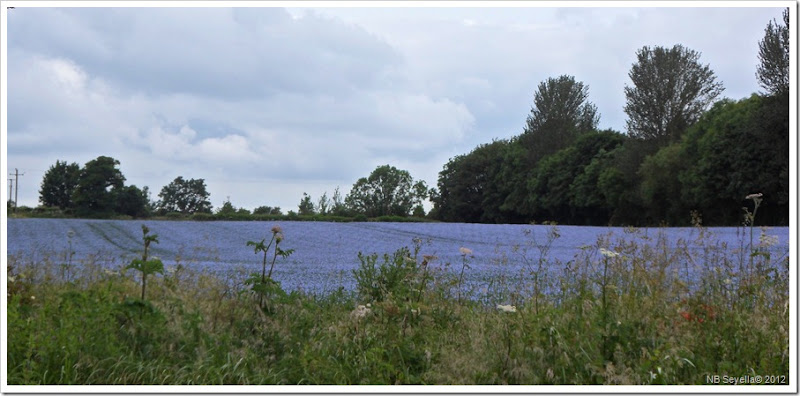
622, 312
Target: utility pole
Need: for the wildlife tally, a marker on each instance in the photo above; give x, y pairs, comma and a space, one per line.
10, 189
16, 175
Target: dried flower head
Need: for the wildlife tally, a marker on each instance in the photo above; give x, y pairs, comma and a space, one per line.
429, 257
278, 237
464, 251
70, 234
276, 229
754, 196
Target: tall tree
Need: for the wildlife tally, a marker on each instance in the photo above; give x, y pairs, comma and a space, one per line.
185, 196
773, 53
387, 191
670, 91
98, 180
562, 101
560, 113
58, 184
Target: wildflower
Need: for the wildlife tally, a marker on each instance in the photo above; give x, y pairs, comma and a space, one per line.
507, 308
550, 374
409, 259
70, 234
276, 229
110, 272
768, 240
608, 253
754, 196
728, 281
11, 279
278, 237
464, 251
653, 375
33, 297
360, 312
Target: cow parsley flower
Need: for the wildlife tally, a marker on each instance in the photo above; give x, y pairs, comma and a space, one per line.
464, 251
507, 308
608, 253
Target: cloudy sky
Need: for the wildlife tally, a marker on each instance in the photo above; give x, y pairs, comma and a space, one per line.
268, 103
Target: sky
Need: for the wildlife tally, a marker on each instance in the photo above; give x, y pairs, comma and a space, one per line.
266, 103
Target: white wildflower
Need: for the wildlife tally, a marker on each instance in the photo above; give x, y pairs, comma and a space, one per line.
608, 253
360, 312
464, 251
768, 240
33, 297
754, 196
507, 308
728, 281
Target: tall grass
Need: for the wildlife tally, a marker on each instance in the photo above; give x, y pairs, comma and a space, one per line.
633, 309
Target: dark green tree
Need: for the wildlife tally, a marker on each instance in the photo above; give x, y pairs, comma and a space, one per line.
267, 210
561, 112
387, 191
58, 184
184, 196
306, 207
773, 54
671, 89
98, 184
730, 157
562, 102
132, 201
661, 187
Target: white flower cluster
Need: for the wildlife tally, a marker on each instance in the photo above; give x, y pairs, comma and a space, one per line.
608, 253
507, 308
361, 311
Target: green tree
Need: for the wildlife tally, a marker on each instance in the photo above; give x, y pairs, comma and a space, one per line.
95, 193
267, 210
469, 187
338, 206
306, 207
132, 201
562, 102
730, 157
58, 184
324, 204
661, 187
560, 113
185, 196
387, 191
671, 89
226, 209
773, 54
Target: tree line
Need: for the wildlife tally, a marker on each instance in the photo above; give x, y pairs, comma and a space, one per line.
98, 190
686, 155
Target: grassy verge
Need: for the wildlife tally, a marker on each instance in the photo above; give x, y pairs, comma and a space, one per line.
634, 310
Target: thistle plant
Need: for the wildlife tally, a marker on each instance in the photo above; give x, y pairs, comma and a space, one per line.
750, 219
67, 267
144, 265
464, 253
261, 287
